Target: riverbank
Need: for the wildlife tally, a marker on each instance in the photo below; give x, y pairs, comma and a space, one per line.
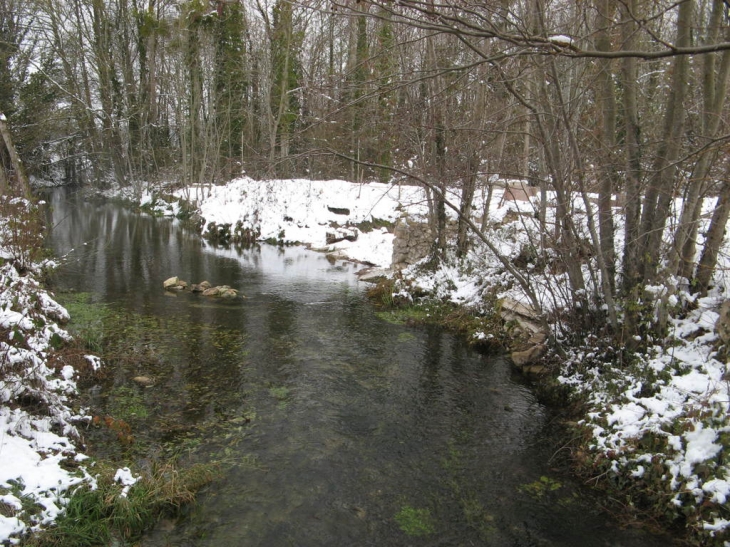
653, 429
39, 434
51, 491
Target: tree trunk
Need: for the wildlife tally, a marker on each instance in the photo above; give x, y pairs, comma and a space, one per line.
715, 236
14, 157
607, 104
660, 191
714, 90
632, 193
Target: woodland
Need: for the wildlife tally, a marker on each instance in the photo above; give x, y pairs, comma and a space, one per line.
618, 103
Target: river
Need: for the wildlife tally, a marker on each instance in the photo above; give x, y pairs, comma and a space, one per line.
332, 426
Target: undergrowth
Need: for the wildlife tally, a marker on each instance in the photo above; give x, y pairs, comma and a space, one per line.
109, 513
484, 331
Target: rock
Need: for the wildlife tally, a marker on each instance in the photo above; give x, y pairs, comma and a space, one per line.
226, 292
412, 242
373, 275
223, 291
174, 284
338, 210
144, 381
341, 234
171, 282
528, 356
722, 325
525, 317
200, 287
535, 370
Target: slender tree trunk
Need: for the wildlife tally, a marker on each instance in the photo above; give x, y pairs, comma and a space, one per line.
607, 104
714, 91
660, 190
14, 157
632, 193
715, 236
467, 195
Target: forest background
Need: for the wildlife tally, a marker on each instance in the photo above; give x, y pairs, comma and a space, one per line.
620, 102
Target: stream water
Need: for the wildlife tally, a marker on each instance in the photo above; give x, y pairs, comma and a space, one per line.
332, 426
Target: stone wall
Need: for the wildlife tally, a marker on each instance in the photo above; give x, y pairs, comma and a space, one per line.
413, 242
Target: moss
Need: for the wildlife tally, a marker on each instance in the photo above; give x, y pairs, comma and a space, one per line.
375, 224
539, 488
127, 403
281, 394
415, 522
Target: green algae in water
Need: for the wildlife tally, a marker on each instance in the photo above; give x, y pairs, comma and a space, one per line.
281, 394
538, 489
415, 521
127, 404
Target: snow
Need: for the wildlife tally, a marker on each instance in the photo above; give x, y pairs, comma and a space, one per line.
125, 477
561, 40
304, 211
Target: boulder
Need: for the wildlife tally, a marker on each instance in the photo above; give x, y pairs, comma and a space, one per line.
174, 284
200, 287
223, 291
529, 356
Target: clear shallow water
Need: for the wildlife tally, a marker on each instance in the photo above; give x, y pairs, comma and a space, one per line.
332, 425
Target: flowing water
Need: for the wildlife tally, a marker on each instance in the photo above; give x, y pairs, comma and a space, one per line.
332, 426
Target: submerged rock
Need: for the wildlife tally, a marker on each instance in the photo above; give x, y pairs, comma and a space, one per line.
144, 381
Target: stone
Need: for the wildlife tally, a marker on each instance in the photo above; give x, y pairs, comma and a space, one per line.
144, 381
722, 325
374, 275
528, 356
534, 370
341, 234
171, 282
223, 291
338, 210
174, 284
200, 287
412, 242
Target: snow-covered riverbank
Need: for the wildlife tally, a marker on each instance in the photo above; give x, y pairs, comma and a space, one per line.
657, 425
37, 425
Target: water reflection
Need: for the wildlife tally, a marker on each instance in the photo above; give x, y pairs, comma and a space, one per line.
352, 420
